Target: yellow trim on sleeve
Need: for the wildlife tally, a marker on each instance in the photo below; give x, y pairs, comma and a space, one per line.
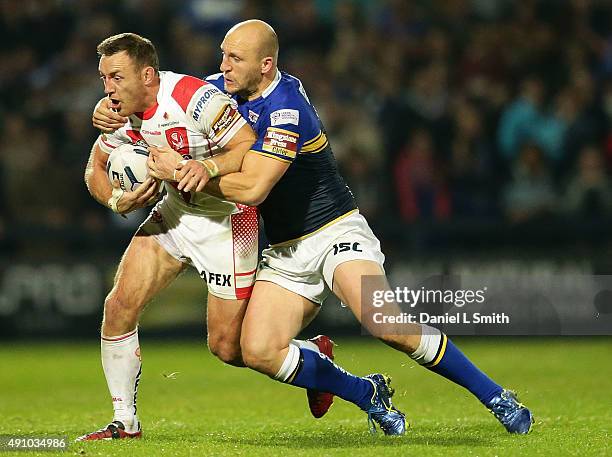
316, 146
266, 154
284, 243
312, 140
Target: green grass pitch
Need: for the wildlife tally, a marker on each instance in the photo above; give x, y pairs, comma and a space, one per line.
207, 408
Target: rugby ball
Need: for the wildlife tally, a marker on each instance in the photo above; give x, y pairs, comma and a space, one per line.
128, 165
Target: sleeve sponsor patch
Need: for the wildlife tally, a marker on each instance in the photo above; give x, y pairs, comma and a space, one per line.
224, 119
280, 142
285, 116
202, 101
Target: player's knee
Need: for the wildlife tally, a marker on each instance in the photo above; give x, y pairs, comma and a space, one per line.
258, 355
119, 313
225, 350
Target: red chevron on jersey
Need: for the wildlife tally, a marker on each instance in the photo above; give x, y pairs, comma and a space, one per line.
184, 90
136, 137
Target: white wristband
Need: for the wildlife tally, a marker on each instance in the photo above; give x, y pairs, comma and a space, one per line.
115, 197
211, 167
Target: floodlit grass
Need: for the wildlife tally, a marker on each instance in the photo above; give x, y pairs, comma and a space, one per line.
208, 408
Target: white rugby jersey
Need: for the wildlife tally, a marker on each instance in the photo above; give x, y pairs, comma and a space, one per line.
194, 118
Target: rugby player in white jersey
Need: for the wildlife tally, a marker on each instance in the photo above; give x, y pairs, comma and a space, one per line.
320, 242
217, 237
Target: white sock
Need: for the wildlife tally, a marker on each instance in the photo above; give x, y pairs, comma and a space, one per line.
431, 338
305, 344
121, 364
290, 363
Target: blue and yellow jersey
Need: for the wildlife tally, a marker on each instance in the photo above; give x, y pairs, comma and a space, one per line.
311, 193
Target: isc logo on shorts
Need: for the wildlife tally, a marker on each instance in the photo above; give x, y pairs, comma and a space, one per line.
344, 247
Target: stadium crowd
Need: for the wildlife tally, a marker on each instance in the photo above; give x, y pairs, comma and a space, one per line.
445, 111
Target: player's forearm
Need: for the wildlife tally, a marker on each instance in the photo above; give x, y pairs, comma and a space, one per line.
230, 161
97, 183
238, 188
234, 151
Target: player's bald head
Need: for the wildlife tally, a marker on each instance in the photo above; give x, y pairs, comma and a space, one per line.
249, 63
259, 34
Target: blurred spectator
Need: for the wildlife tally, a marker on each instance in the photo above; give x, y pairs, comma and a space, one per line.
351, 130
589, 123
301, 28
607, 109
364, 177
212, 16
421, 192
472, 179
38, 188
530, 195
428, 93
589, 192
517, 121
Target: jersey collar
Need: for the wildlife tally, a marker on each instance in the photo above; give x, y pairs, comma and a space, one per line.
272, 85
150, 111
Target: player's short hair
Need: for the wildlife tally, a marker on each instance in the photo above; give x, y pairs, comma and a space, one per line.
140, 49
269, 45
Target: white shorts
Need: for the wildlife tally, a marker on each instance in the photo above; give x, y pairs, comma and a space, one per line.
223, 249
307, 266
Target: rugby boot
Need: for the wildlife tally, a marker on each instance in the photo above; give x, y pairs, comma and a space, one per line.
320, 402
382, 412
512, 414
113, 431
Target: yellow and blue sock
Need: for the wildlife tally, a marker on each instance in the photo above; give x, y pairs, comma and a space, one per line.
438, 353
313, 370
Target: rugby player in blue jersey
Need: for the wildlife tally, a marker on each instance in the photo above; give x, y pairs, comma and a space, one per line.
319, 242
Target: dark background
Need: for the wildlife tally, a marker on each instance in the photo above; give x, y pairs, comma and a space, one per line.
474, 134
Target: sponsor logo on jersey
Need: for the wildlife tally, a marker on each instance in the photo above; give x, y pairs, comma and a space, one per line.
151, 132
178, 139
224, 119
167, 124
199, 106
285, 116
279, 141
253, 116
